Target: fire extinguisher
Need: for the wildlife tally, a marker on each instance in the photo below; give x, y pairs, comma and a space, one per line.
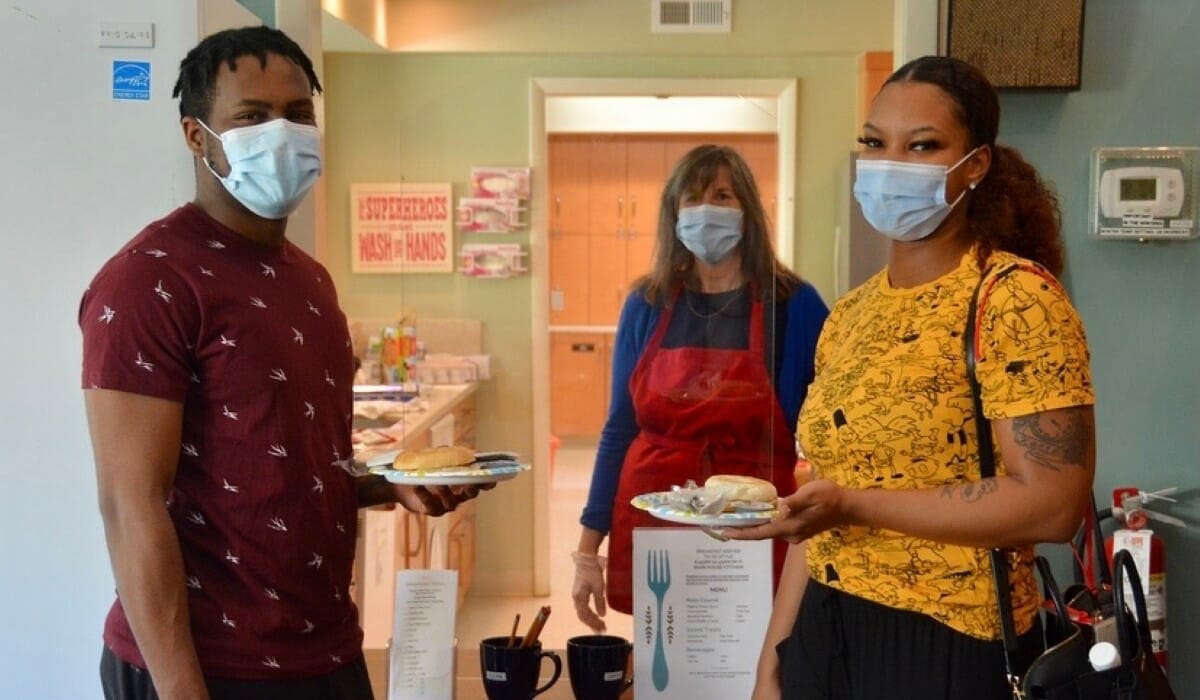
1129, 509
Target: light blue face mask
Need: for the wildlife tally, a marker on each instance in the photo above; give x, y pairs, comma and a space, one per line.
905, 201
272, 165
709, 232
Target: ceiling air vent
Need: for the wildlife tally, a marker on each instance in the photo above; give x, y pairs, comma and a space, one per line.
690, 16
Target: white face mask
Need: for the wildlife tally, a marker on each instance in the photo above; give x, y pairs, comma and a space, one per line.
271, 165
708, 231
905, 201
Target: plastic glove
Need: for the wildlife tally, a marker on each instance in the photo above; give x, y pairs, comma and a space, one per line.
589, 583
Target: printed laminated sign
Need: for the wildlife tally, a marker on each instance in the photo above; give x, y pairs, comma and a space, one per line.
401, 227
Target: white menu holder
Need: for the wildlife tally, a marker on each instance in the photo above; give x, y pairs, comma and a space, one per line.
700, 610
421, 664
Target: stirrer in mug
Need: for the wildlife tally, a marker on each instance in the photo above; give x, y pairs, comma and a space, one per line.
535, 629
512, 636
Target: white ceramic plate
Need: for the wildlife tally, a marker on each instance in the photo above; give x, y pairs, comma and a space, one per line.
658, 505
492, 473
387, 457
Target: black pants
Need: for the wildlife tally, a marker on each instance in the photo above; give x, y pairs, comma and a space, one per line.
846, 648
124, 681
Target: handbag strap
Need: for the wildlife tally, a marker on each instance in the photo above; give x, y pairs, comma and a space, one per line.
987, 469
1125, 568
1091, 563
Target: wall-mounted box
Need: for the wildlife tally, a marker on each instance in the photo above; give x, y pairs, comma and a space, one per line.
1144, 194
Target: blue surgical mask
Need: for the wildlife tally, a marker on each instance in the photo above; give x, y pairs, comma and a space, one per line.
272, 165
904, 201
709, 232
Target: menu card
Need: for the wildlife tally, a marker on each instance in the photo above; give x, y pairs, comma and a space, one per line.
700, 610
422, 654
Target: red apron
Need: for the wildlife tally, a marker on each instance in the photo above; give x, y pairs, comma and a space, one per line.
700, 412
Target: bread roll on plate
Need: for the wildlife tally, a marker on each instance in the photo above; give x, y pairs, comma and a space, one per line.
741, 488
434, 458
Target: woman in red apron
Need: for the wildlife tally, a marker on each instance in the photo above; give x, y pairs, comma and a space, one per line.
713, 354
702, 411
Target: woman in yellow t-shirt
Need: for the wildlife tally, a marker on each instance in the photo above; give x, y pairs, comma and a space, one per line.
892, 596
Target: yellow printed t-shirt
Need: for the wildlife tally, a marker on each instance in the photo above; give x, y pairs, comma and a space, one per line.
890, 408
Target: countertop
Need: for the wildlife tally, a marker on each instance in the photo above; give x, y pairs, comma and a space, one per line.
441, 400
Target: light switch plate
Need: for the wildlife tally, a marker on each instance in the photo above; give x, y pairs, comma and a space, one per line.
126, 34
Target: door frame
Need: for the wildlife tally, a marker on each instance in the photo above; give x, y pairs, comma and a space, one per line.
783, 90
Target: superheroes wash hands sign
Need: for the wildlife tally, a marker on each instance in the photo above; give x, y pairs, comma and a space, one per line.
401, 227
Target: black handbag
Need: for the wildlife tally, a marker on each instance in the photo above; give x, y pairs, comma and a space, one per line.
1062, 671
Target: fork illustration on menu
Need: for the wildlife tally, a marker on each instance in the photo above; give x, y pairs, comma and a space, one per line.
658, 577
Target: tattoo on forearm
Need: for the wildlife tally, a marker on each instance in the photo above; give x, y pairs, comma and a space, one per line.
1057, 439
971, 491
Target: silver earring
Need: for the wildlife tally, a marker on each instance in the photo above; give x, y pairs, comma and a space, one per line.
973, 185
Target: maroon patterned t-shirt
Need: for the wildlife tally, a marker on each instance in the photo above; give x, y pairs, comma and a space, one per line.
250, 339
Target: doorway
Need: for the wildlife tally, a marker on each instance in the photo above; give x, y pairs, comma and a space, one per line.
774, 99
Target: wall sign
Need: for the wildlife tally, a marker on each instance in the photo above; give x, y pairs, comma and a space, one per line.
401, 227
131, 80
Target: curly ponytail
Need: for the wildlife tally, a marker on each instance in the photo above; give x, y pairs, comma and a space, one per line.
1012, 209
1015, 211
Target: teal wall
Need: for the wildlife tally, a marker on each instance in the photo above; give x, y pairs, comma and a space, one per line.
1141, 87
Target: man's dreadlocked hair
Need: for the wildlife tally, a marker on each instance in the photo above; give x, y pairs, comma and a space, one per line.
198, 70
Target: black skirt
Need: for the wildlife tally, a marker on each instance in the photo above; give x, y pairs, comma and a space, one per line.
846, 648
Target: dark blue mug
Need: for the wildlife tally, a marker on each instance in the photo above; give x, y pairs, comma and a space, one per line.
596, 664
510, 672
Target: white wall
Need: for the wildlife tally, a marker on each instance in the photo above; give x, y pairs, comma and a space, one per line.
83, 174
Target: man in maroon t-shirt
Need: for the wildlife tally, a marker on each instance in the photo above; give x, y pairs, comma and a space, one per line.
217, 371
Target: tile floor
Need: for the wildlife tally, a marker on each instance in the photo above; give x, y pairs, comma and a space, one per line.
487, 616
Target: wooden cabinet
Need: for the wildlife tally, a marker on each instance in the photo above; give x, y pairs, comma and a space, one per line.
604, 195
626, 178
874, 67
569, 164
569, 272
762, 156
579, 369
570, 160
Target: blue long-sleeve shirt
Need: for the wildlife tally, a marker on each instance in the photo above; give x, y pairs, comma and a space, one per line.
797, 323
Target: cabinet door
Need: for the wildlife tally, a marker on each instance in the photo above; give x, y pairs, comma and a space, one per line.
607, 178
677, 147
645, 175
568, 279
607, 284
460, 547
606, 344
874, 67
383, 554
576, 376
639, 254
415, 538
569, 160
762, 155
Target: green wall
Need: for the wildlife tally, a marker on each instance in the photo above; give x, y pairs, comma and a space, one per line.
430, 117
1141, 87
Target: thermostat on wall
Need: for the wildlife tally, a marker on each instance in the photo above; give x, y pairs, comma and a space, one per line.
1145, 193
